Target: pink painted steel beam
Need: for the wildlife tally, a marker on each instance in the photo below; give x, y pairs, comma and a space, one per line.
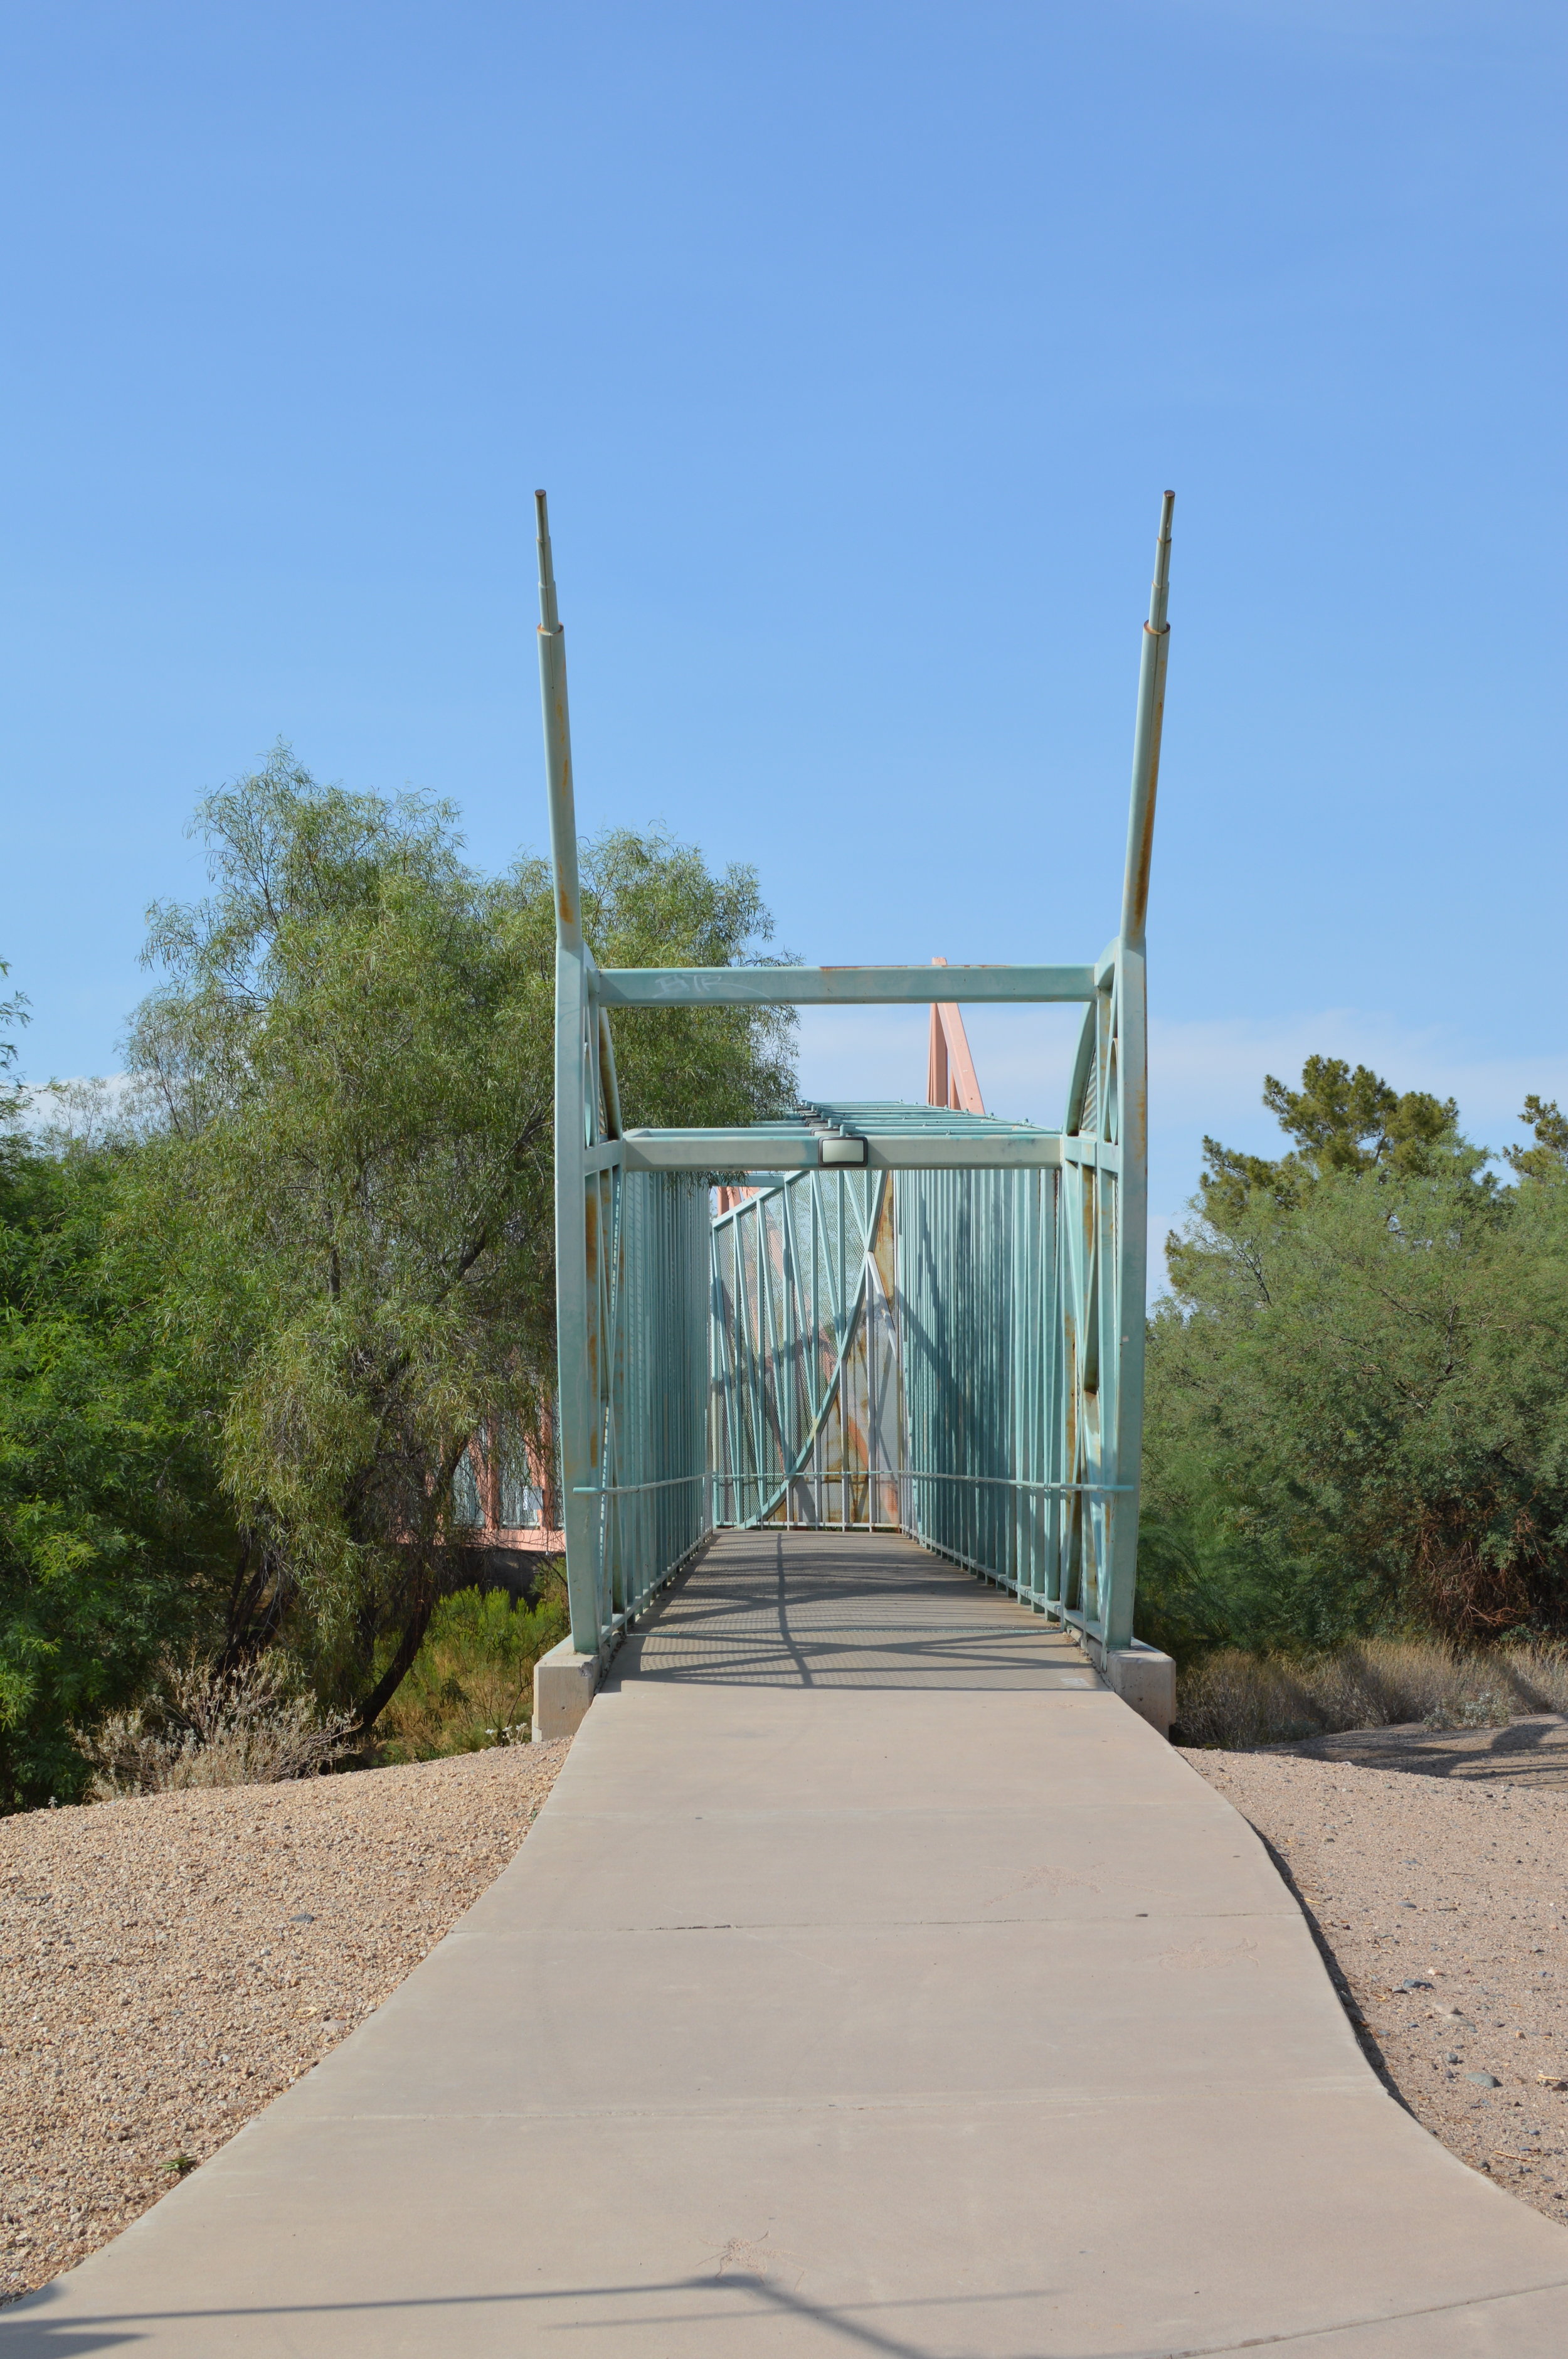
950, 1078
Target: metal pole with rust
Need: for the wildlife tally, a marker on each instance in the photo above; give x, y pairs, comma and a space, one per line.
1131, 1032
1146, 740
577, 1276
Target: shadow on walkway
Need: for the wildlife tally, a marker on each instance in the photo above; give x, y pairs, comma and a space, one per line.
791, 1609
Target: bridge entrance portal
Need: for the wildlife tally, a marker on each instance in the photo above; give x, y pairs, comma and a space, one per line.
888, 1317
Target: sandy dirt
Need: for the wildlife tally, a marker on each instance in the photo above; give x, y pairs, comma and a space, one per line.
169, 1965
1437, 1884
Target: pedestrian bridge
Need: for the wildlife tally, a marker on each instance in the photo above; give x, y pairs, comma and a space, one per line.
904, 1318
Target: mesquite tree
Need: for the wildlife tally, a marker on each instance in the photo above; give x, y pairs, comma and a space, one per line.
350, 1068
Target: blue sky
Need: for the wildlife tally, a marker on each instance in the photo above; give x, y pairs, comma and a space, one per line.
855, 344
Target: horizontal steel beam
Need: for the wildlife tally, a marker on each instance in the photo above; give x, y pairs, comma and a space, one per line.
781, 1148
765, 1150
843, 987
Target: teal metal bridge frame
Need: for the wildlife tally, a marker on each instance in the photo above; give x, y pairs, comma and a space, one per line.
919, 1318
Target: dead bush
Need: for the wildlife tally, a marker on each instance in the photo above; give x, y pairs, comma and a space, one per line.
202, 1726
1239, 1701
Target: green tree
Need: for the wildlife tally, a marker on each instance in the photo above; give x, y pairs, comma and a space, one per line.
1547, 1159
12, 1011
1358, 1393
1341, 1122
351, 1058
115, 1538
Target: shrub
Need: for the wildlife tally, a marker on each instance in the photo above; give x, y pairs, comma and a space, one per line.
204, 1726
1237, 1702
471, 1682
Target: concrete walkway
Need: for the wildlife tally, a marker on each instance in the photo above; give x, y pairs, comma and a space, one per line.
872, 1981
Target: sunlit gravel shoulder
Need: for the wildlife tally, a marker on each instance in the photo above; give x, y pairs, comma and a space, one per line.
1442, 1904
167, 1965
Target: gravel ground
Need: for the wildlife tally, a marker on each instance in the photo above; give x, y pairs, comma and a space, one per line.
1439, 1892
169, 1965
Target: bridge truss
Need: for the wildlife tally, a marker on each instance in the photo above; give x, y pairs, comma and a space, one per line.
901, 1317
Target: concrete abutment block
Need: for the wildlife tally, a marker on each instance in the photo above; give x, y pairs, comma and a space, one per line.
564, 1682
1145, 1678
